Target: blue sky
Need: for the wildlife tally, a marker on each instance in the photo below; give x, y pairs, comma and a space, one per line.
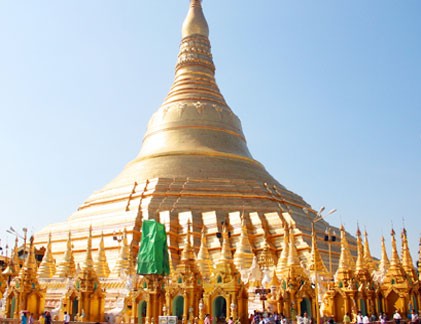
328, 92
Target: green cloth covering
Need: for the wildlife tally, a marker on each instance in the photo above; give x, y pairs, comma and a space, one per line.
153, 253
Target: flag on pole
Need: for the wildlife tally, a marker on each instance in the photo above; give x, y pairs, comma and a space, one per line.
153, 253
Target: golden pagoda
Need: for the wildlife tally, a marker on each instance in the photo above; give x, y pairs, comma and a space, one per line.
194, 174
238, 240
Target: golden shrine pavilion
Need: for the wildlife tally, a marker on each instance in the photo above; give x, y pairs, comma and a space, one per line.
238, 240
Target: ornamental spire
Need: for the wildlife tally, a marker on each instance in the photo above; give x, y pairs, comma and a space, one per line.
123, 264
346, 261
368, 259
225, 263
89, 262
282, 265
384, 262
295, 270
101, 264
30, 262
362, 270
407, 262
317, 265
360, 251
293, 259
204, 261
13, 267
243, 256
28, 273
67, 267
395, 262
188, 251
47, 268
188, 258
395, 273
195, 22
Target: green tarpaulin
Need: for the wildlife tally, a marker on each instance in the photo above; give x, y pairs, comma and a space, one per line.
153, 253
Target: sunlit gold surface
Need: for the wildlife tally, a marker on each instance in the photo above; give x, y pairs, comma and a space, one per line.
194, 174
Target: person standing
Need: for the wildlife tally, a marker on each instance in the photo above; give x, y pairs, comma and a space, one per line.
397, 317
359, 318
383, 318
47, 318
414, 317
207, 319
42, 318
347, 319
305, 319
31, 319
366, 320
23, 318
66, 318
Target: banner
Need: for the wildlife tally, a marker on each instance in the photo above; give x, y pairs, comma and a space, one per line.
153, 253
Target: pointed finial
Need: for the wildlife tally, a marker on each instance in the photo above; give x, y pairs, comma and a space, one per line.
384, 261
188, 251
406, 259
89, 263
243, 256
101, 264
195, 22
282, 265
394, 260
47, 268
204, 261
67, 268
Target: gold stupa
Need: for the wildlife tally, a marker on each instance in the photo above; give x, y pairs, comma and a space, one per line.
194, 173
194, 163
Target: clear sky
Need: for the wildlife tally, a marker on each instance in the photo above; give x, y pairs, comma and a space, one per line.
328, 92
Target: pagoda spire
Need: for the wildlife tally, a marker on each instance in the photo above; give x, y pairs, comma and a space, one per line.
395, 262
317, 265
28, 273
384, 262
395, 273
195, 22
293, 259
187, 263
362, 271
15, 256
345, 270
407, 262
123, 263
360, 251
47, 268
295, 270
243, 256
225, 263
89, 262
101, 265
204, 261
13, 267
368, 259
282, 265
31, 263
67, 268
188, 251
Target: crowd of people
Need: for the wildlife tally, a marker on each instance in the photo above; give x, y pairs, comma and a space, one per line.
276, 318
28, 318
358, 318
